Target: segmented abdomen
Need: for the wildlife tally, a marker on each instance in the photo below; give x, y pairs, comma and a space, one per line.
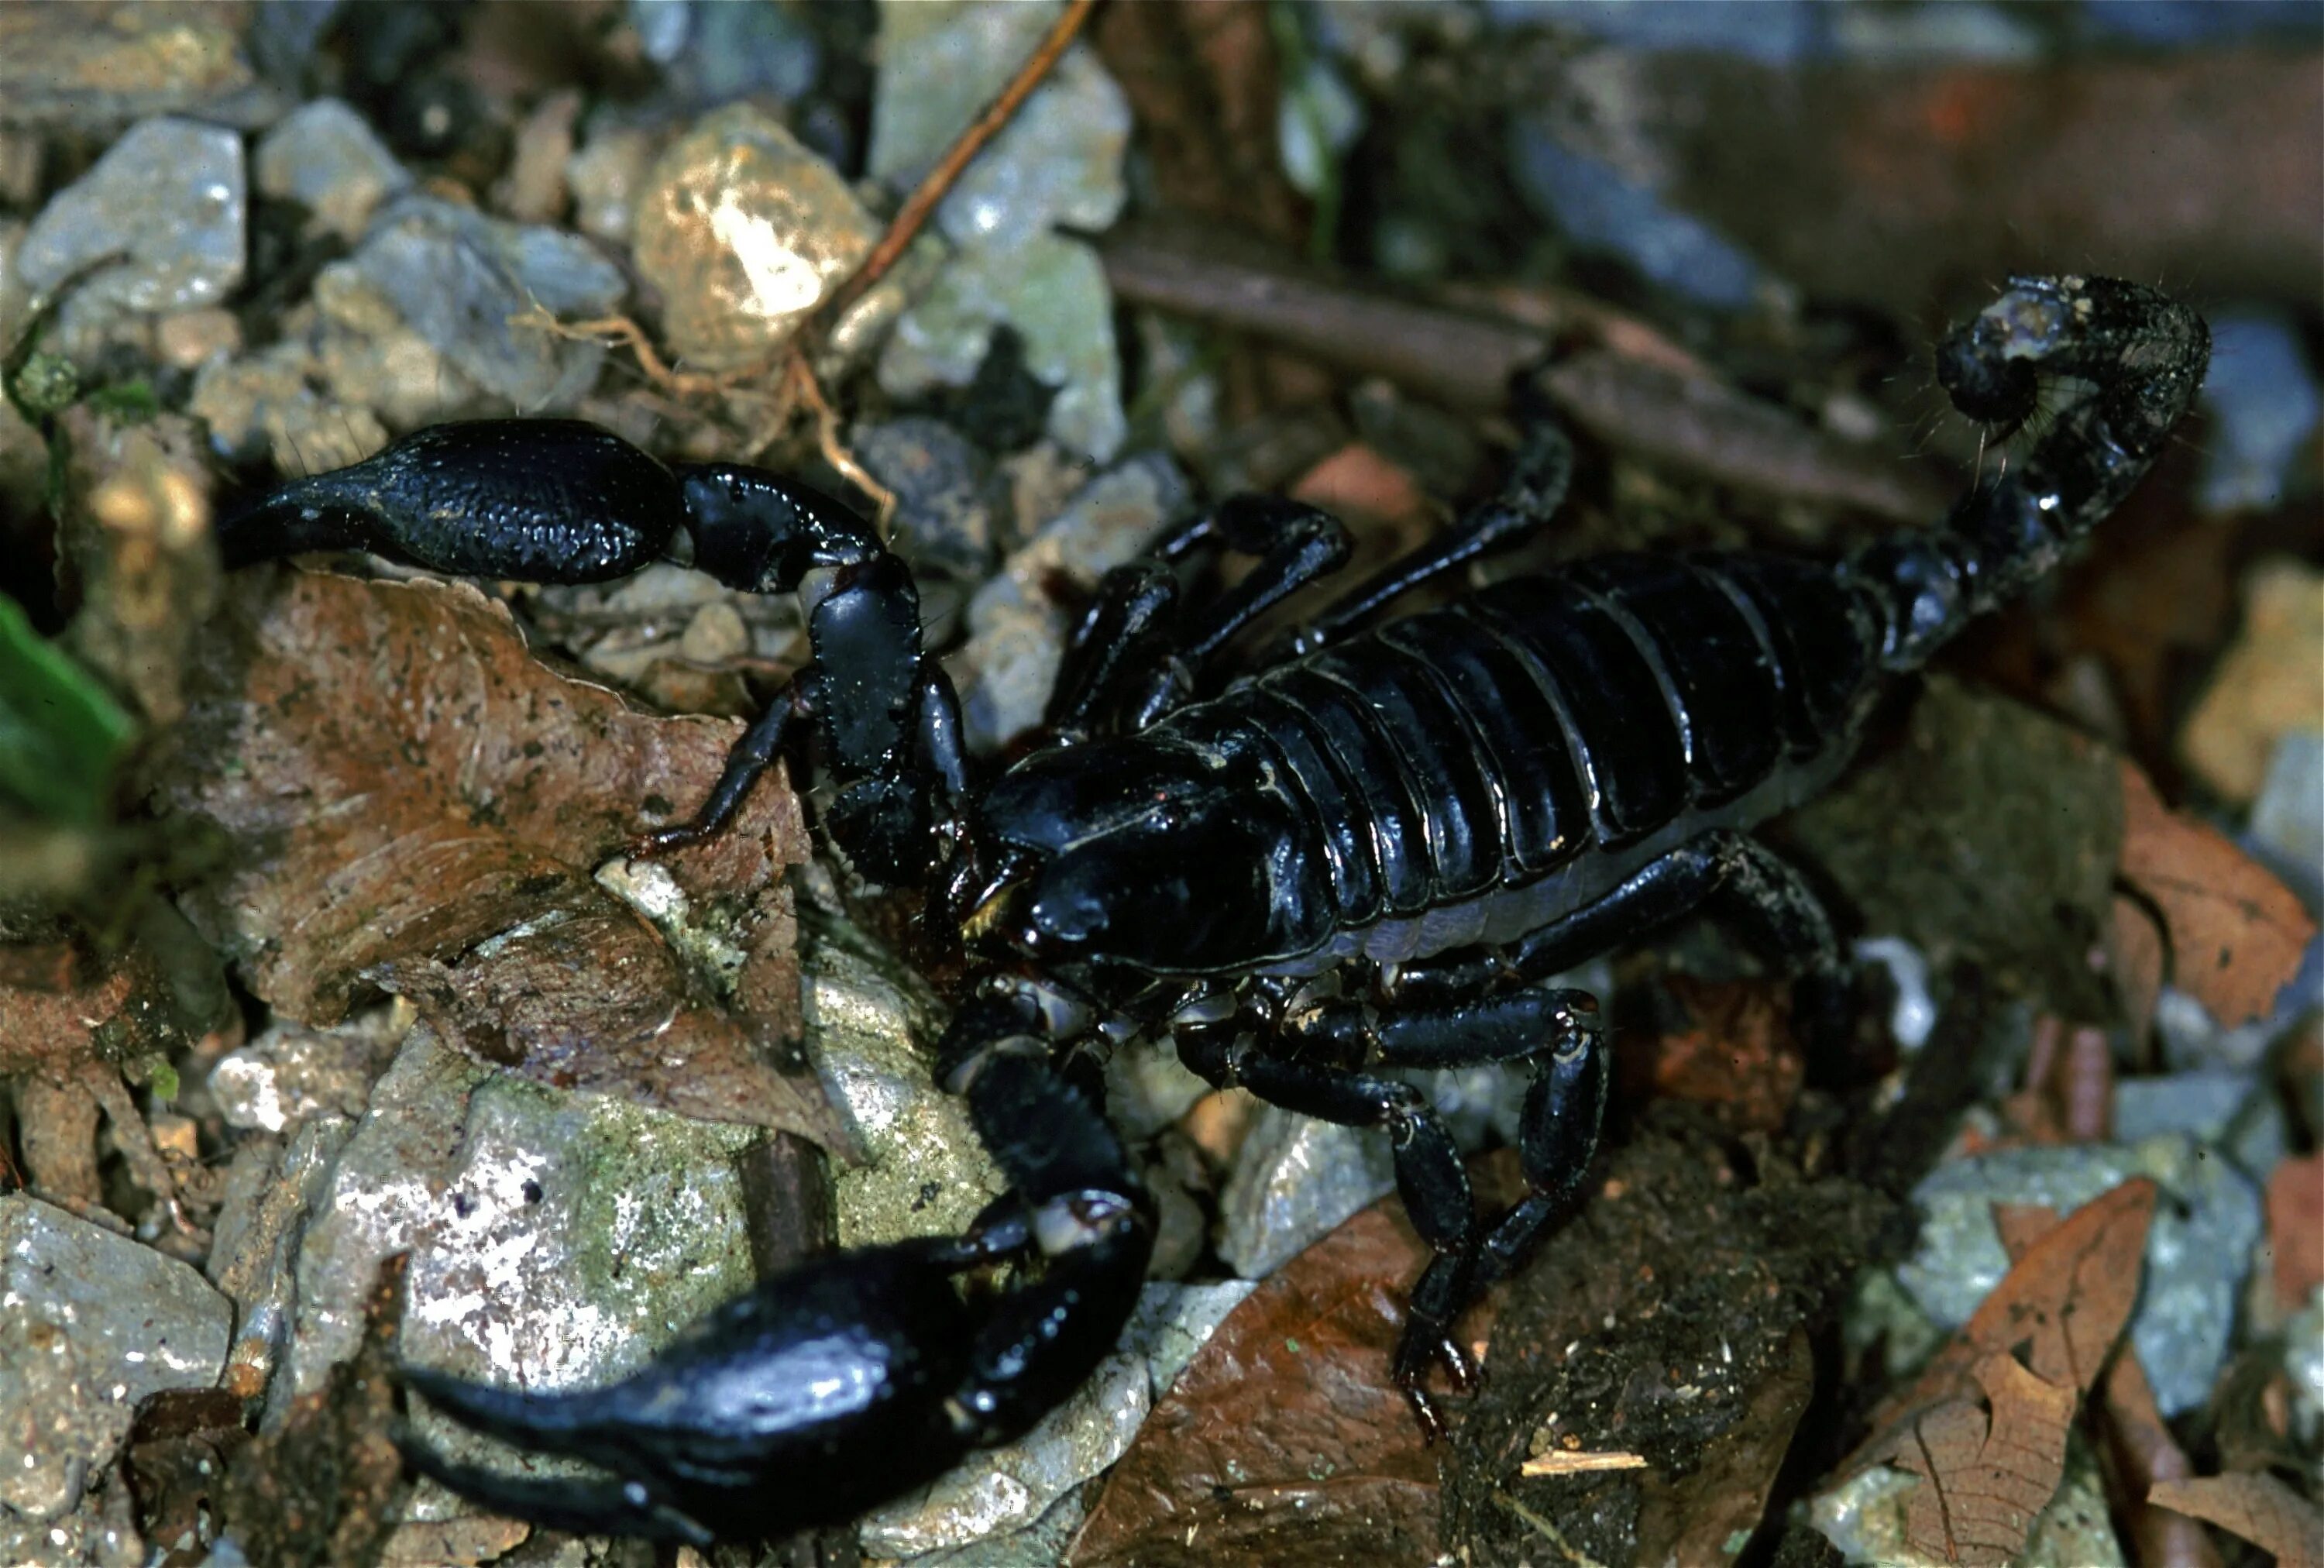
1486, 744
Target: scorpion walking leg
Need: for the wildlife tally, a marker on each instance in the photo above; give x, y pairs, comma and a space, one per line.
1535, 489
1315, 1064
1128, 663
1759, 892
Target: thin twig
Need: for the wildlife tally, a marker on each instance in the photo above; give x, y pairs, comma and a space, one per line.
913, 214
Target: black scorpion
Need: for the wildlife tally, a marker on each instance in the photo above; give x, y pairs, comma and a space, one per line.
1369, 856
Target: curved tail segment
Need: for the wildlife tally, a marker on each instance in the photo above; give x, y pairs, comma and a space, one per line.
2140, 355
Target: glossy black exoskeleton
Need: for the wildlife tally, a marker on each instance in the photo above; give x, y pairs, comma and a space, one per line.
1369, 856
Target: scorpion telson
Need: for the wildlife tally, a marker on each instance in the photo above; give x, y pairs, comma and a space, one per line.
1368, 856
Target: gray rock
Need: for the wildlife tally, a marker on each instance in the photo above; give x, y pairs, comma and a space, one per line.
1295, 1180
1043, 1543
2287, 820
326, 157
2226, 1110
1057, 164
2196, 1253
101, 1532
943, 515
1052, 290
271, 1188
1017, 631
292, 1071
574, 1236
170, 195
264, 404
61, 66
1008, 1490
557, 1239
2264, 403
923, 1171
939, 66
1599, 205
463, 280
384, 1197
91, 1323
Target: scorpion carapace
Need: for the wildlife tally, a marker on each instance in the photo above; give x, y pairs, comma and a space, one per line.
1373, 855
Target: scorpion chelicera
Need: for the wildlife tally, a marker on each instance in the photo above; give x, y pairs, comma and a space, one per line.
1371, 854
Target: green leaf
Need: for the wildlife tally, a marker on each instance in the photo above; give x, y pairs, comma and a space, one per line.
62, 733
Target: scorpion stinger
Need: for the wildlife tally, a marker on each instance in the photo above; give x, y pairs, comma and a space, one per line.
1373, 854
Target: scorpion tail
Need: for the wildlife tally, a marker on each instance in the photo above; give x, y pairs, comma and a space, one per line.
2141, 355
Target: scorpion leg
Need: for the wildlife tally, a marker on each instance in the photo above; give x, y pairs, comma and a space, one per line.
1534, 490
1315, 1062
1759, 891
1129, 664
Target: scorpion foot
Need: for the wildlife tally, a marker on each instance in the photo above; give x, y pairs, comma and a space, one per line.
1426, 1345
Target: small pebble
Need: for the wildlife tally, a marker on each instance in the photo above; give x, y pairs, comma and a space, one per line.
607, 175
1017, 630
743, 231
534, 190
943, 513
189, 339
326, 157
470, 285
170, 194
2287, 820
1052, 290
715, 634
2269, 684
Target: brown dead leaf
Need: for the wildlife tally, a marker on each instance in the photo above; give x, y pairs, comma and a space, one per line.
2237, 932
1985, 1474
417, 804
69, 1024
2069, 1092
2140, 1452
2295, 1227
1739, 1052
2135, 957
2061, 1307
1284, 1439
2254, 1506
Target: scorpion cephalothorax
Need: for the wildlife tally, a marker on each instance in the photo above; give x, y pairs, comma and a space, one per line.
1370, 855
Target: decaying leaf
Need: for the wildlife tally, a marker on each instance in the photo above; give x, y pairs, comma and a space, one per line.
1739, 1051
1985, 1474
2142, 1452
2236, 932
1284, 1440
2031, 1353
416, 805
2061, 1307
71, 1021
2295, 1227
2256, 1506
